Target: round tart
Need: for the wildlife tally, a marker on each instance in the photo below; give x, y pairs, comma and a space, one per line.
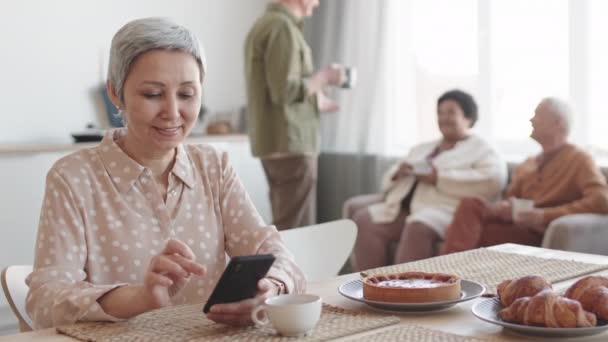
411, 287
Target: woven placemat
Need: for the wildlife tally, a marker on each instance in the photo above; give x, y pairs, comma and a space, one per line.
490, 267
406, 332
187, 323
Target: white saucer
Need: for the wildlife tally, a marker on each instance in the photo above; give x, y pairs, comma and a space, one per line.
354, 290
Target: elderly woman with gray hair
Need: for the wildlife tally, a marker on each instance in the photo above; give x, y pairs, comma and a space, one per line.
143, 221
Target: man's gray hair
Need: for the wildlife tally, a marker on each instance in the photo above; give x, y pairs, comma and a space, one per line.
562, 109
142, 35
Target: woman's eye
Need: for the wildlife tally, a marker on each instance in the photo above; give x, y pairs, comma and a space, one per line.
186, 95
151, 95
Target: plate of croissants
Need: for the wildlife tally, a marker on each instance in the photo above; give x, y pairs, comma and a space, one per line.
529, 305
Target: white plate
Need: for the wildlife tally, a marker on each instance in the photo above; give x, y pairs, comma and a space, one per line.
487, 310
354, 290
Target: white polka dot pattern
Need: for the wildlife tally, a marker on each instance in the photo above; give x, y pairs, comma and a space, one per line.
103, 219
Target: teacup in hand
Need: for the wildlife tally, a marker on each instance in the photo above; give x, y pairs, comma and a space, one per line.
350, 78
520, 205
290, 314
421, 168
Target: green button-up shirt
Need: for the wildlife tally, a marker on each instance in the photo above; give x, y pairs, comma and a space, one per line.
282, 118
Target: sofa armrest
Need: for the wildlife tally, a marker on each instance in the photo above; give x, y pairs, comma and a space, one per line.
585, 233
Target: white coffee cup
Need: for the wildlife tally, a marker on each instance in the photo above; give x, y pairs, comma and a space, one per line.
350, 75
421, 167
290, 314
519, 205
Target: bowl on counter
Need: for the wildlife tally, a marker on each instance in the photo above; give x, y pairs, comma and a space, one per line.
90, 134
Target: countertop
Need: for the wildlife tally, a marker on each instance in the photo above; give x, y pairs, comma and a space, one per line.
34, 148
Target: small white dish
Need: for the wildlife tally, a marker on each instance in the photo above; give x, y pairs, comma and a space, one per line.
487, 310
520, 205
421, 168
354, 290
289, 314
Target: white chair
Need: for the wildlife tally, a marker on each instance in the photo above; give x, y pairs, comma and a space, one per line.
321, 250
15, 290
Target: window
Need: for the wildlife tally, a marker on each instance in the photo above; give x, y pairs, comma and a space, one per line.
529, 60
509, 54
438, 53
598, 74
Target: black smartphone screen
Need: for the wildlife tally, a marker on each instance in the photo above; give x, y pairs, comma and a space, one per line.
240, 279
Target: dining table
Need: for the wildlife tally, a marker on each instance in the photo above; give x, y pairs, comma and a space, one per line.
458, 320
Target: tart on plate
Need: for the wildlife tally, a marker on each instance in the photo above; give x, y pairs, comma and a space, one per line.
411, 287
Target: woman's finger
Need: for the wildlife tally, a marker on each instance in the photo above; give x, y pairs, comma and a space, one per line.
165, 264
174, 246
231, 319
152, 279
266, 286
188, 265
242, 307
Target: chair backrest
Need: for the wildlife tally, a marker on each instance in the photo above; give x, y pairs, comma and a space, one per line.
321, 250
15, 290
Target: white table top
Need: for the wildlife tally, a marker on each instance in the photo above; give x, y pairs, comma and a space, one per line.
458, 320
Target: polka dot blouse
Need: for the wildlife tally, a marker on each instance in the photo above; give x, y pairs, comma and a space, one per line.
103, 219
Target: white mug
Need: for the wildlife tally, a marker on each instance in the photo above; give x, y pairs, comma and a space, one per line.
421, 167
350, 75
290, 314
520, 205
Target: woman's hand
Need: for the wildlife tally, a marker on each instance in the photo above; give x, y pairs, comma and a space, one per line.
325, 104
532, 219
430, 178
501, 210
404, 170
239, 313
168, 272
333, 74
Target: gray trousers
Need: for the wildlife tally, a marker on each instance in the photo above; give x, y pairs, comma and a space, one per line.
293, 190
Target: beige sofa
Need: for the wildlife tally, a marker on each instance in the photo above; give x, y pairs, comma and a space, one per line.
342, 176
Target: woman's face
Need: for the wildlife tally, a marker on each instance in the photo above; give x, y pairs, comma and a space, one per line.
162, 99
452, 122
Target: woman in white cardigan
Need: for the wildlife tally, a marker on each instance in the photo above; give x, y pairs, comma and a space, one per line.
420, 193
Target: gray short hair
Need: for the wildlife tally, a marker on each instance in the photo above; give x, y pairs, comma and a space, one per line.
562, 109
142, 35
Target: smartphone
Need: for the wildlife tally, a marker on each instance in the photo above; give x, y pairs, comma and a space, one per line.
240, 279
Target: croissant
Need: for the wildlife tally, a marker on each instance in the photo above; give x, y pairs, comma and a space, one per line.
592, 293
548, 309
526, 286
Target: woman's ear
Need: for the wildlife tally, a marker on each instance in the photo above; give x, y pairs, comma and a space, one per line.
471, 123
112, 94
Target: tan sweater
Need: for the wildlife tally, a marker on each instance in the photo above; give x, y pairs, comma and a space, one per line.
568, 183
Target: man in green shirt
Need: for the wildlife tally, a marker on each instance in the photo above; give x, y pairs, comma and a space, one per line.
285, 98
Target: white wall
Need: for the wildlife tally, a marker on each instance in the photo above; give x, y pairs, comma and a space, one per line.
54, 58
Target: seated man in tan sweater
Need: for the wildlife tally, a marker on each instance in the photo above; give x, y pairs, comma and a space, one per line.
561, 180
